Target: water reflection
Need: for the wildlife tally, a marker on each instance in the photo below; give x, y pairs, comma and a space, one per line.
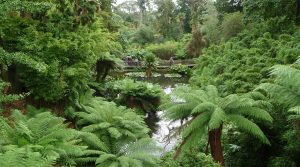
159, 126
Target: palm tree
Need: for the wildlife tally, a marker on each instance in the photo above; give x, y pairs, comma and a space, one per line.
116, 136
206, 112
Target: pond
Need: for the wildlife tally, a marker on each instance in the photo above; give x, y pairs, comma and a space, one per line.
159, 126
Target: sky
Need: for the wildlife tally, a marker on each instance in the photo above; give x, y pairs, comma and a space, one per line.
120, 1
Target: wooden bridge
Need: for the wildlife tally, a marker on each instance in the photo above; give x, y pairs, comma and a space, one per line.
162, 64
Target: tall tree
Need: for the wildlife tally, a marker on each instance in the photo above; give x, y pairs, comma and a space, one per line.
142, 7
166, 17
298, 12
266, 9
185, 10
49, 47
228, 6
207, 112
198, 9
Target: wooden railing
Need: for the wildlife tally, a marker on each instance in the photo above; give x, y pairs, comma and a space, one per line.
161, 63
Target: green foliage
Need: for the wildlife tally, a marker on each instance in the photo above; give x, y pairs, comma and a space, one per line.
281, 161
240, 64
128, 87
49, 48
285, 86
210, 26
232, 25
150, 61
181, 69
265, 9
25, 6
144, 35
185, 10
163, 50
284, 90
41, 135
181, 52
7, 97
116, 136
167, 24
208, 110
194, 159
137, 53
136, 94
22, 157
224, 6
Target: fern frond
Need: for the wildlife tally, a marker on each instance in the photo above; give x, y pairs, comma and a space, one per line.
256, 113
250, 127
295, 111
204, 107
216, 119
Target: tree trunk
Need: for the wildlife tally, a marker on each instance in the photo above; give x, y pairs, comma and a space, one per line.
214, 137
298, 12
148, 72
141, 19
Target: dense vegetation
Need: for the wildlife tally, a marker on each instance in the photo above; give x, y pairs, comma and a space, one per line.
64, 102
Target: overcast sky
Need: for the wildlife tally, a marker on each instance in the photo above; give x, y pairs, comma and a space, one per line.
120, 1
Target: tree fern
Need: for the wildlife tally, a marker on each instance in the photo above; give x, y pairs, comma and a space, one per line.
285, 88
115, 136
208, 110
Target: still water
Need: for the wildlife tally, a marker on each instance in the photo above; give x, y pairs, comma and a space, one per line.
160, 126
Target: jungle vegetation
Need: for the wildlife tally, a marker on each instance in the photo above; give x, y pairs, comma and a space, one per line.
63, 104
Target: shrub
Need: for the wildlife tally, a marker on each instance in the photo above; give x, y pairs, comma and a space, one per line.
182, 52
232, 25
164, 50
194, 159
135, 94
42, 133
281, 161
240, 64
144, 35
22, 157
181, 69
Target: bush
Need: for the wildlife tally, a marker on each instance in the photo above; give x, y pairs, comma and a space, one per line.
232, 25
281, 161
240, 64
181, 52
135, 94
195, 159
137, 53
164, 50
181, 69
144, 35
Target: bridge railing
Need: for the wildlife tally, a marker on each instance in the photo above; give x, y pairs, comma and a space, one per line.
133, 63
